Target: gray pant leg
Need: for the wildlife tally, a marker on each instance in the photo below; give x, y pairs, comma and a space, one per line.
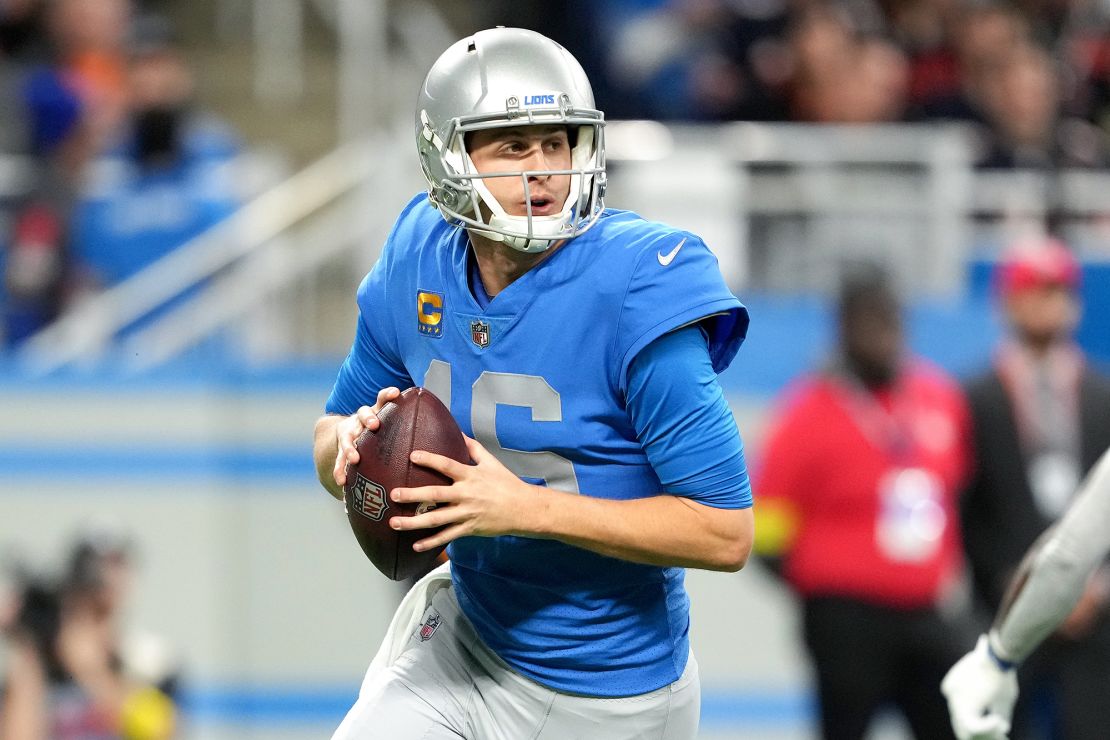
396, 712
669, 713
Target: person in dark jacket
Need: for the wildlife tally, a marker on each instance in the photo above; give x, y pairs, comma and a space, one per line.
1040, 418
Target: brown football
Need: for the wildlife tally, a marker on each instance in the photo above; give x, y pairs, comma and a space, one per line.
417, 420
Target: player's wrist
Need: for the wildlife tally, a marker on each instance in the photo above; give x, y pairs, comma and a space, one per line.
997, 655
541, 520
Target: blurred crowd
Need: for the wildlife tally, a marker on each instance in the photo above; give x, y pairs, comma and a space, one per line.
1031, 76
124, 167
75, 670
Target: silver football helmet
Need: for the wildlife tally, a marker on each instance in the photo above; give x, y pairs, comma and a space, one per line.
495, 79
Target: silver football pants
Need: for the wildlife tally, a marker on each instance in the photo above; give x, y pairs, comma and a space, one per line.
447, 685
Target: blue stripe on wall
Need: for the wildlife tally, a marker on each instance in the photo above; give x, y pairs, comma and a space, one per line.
257, 706
790, 335
293, 466
763, 708
280, 707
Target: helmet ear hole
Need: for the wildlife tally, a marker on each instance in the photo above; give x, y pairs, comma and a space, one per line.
447, 196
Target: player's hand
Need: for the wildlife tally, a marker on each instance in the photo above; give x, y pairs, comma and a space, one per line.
349, 429
486, 499
981, 695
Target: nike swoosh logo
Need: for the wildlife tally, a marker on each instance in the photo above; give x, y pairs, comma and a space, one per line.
666, 259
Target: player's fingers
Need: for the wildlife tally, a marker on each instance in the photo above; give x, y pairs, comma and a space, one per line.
478, 453
985, 727
367, 418
345, 439
440, 538
424, 494
453, 469
437, 517
339, 471
385, 395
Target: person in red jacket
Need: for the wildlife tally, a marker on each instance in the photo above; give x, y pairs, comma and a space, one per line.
857, 486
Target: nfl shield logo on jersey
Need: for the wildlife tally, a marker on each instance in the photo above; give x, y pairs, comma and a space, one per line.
368, 498
429, 626
479, 333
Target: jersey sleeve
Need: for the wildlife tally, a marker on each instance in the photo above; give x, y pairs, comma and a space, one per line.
682, 420
374, 361
676, 281
1060, 568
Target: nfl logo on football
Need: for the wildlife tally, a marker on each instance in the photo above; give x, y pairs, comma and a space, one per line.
479, 333
368, 498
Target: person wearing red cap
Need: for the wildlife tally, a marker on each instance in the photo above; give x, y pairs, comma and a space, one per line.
1040, 418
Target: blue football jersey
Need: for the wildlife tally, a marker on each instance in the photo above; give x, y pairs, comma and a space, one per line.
538, 376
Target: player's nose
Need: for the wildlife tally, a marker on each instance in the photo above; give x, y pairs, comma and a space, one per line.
537, 163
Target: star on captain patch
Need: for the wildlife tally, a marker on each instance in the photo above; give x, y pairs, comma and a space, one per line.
479, 333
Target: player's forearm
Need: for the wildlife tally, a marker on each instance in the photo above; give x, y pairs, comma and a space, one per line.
1053, 576
661, 530
325, 448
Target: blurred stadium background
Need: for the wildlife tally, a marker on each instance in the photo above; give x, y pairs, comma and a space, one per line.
179, 401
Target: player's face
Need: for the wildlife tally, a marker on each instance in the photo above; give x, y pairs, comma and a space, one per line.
524, 149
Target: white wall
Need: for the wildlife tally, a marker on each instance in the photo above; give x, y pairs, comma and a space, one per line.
249, 568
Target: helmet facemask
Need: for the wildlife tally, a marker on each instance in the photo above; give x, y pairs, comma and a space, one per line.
460, 191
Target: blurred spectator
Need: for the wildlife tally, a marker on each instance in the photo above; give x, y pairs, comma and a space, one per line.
165, 179
979, 38
696, 59
921, 28
1041, 417
71, 102
843, 77
34, 268
1021, 100
21, 35
852, 61
89, 41
857, 488
71, 674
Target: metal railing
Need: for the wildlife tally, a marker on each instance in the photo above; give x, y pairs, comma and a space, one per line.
88, 328
371, 83
782, 206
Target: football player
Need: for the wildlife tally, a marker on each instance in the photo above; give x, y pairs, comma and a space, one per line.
579, 347
981, 687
